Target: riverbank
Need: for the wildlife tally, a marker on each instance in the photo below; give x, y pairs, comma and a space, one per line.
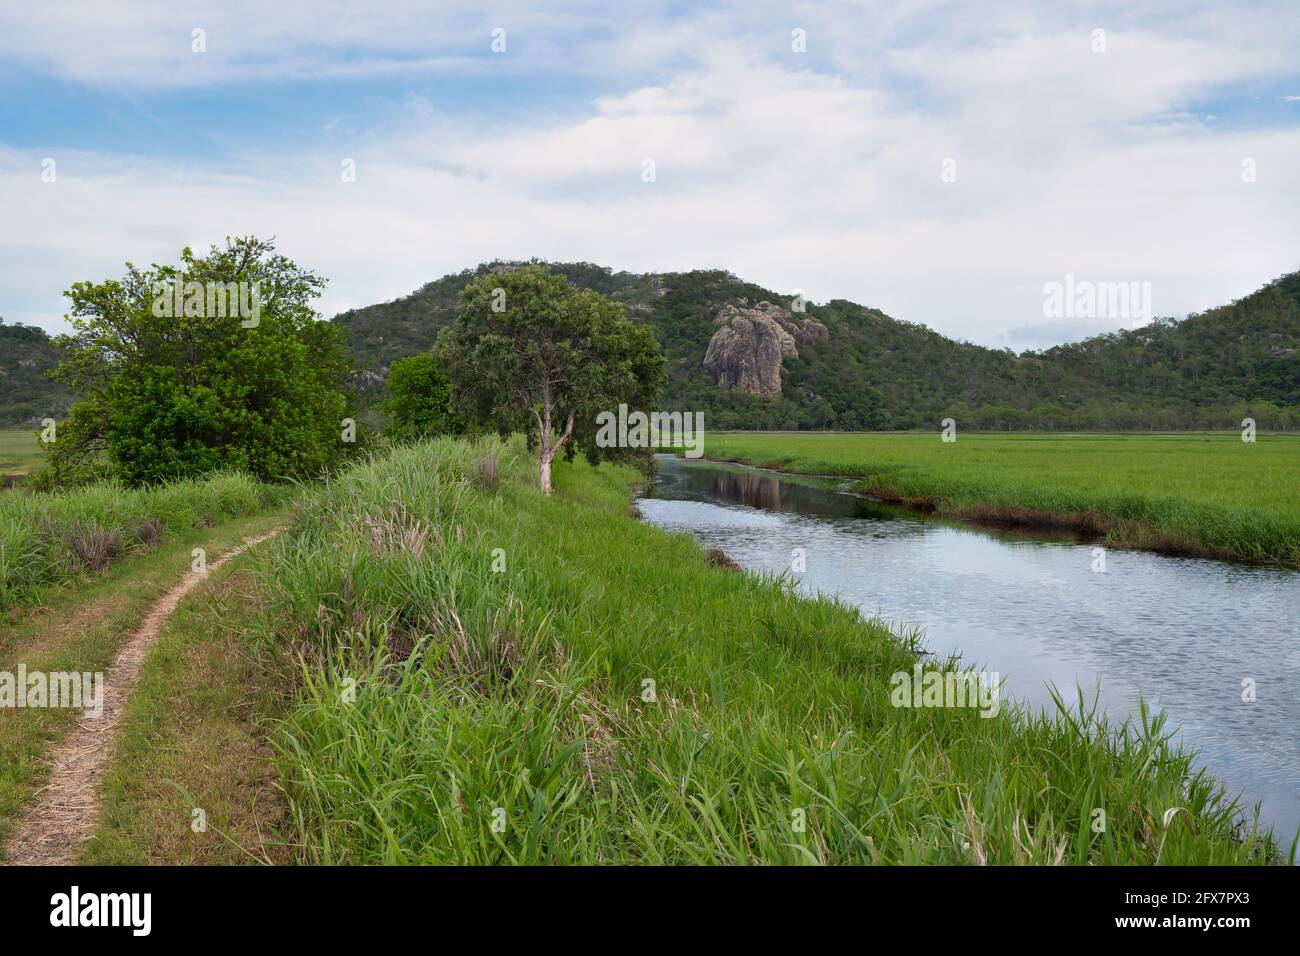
452, 668
1194, 495
493, 676
1045, 610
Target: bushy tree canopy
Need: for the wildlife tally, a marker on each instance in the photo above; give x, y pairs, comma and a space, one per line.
173, 386
530, 352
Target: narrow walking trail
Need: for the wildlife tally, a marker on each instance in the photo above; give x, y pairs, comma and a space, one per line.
64, 813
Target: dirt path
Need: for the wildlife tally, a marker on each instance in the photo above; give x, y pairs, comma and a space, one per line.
64, 813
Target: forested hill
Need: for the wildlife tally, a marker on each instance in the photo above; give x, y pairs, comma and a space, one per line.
848, 366
1249, 348
870, 371
26, 394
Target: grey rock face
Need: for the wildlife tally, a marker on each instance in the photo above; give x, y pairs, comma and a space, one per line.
751, 343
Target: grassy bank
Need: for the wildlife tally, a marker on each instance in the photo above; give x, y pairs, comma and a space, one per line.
1211, 495
491, 676
53, 539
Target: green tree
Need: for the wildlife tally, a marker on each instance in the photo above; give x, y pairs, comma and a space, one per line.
419, 400
218, 362
530, 352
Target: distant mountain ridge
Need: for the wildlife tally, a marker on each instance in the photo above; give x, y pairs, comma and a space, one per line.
751, 357
871, 371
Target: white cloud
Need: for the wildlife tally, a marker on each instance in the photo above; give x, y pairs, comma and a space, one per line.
149, 44
821, 175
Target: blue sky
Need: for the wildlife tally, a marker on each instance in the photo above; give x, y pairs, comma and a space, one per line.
817, 171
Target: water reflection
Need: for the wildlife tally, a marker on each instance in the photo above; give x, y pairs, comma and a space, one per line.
765, 490
1183, 632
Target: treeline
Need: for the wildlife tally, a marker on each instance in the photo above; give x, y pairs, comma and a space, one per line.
745, 413
221, 363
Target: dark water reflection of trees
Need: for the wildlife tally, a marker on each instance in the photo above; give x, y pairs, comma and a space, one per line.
765, 491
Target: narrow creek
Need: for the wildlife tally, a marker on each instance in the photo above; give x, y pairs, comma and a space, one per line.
1184, 633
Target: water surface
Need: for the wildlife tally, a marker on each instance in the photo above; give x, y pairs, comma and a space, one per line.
1182, 632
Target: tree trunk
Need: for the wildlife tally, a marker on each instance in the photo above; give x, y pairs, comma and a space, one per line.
550, 443
547, 456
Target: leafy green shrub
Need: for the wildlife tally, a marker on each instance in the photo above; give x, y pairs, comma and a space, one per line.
419, 400
167, 396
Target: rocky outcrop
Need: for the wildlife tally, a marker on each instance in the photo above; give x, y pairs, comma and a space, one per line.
368, 378
751, 343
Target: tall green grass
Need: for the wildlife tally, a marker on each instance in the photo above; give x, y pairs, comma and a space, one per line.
1233, 498
455, 710
49, 539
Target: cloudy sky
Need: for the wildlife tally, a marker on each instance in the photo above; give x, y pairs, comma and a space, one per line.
1165, 149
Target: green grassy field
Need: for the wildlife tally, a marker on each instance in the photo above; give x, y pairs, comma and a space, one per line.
19, 451
1182, 493
597, 691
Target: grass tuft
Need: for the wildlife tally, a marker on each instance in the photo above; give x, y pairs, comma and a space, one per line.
487, 469
92, 546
